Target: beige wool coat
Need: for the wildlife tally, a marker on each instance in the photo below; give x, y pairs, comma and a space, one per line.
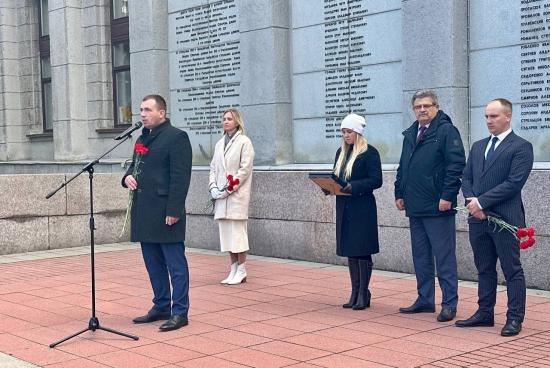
235, 159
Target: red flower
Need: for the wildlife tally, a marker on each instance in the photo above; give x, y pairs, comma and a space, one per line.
517, 232
521, 232
527, 243
232, 182
140, 149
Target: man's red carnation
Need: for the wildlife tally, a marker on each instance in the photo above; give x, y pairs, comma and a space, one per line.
521, 232
140, 149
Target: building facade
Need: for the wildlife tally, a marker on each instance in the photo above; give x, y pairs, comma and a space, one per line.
73, 72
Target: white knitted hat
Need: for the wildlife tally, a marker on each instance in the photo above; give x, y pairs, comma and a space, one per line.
354, 122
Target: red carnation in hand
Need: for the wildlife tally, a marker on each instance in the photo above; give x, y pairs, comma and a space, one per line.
140, 149
232, 182
527, 243
521, 232
518, 232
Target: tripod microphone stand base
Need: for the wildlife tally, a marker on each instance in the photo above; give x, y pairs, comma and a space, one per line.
92, 326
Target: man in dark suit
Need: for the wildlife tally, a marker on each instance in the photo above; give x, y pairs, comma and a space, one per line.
158, 212
426, 187
496, 171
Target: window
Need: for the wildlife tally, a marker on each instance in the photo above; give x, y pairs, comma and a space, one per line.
122, 82
120, 41
120, 9
47, 103
45, 67
44, 19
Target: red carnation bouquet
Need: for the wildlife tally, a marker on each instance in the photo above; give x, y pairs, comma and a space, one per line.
230, 185
529, 233
139, 151
518, 232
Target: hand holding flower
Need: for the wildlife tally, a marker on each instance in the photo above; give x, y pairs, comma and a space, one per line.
473, 206
518, 232
130, 182
215, 193
480, 215
232, 182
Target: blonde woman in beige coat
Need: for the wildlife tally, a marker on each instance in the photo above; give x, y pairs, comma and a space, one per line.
230, 185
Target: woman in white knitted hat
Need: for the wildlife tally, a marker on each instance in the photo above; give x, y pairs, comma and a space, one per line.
230, 183
357, 165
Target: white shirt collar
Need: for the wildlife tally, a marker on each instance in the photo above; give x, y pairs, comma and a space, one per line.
502, 135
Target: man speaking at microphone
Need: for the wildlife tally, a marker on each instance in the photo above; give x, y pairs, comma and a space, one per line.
158, 212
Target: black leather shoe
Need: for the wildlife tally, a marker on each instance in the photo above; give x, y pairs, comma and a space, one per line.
511, 328
175, 322
416, 308
152, 316
477, 320
446, 314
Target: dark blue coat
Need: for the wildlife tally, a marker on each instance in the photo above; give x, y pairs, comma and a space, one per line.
163, 182
356, 215
430, 170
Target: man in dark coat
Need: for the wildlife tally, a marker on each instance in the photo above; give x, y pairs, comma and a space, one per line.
158, 211
427, 184
497, 169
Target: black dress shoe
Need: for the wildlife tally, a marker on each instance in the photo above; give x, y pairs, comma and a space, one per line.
446, 314
477, 320
175, 322
511, 328
416, 308
152, 316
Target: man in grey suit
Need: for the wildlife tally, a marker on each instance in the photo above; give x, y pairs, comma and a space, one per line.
496, 171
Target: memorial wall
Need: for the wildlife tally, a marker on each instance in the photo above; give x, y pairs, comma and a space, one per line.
204, 70
347, 56
510, 57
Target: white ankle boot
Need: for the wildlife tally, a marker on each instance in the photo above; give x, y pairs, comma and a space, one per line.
231, 274
240, 275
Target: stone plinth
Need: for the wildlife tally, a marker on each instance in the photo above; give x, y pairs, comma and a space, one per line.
289, 218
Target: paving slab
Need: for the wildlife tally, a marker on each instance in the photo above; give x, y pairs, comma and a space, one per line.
287, 314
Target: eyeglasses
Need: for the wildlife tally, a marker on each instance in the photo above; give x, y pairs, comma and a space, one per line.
425, 107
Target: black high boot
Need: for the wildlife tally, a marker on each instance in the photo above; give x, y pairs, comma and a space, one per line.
365, 272
353, 265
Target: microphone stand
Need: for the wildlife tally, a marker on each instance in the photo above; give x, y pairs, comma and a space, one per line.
93, 324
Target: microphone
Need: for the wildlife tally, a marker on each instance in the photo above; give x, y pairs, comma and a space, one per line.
129, 131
